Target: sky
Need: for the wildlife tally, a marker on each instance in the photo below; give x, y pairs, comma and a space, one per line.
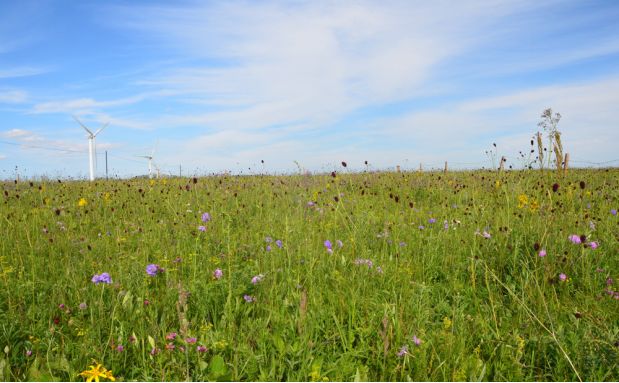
277, 86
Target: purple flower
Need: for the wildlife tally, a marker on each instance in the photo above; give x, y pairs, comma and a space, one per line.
170, 346
171, 336
249, 298
328, 245
217, 274
593, 245
101, 278
201, 349
339, 243
446, 225
279, 243
28, 353
432, 220
83, 306
575, 239
154, 351
486, 235
542, 253
379, 269
153, 270
613, 211
609, 281
402, 244
310, 204
120, 348
256, 279
268, 248
202, 228
416, 340
191, 340
206, 217
562, 277
421, 227
61, 306
403, 351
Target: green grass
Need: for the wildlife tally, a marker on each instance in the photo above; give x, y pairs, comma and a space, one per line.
484, 308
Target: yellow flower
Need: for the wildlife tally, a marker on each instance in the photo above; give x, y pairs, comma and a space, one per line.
523, 201
82, 202
97, 372
446, 323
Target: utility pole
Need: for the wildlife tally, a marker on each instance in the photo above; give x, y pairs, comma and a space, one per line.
180, 171
106, 176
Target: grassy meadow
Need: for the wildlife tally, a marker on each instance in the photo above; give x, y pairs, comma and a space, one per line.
362, 276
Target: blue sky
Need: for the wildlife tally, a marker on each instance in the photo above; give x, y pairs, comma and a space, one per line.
221, 86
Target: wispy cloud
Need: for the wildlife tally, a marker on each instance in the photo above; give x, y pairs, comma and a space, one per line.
21, 72
13, 96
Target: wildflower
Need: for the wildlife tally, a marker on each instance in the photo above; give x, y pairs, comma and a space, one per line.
523, 201
97, 372
575, 239
402, 244
486, 235
310, 204
153, 270
339, 243
279, 243
120, 348
171, 336
249, 298
256, 279
421, 227
146, 302
170, 346
328, 245
202, 228
206, 217
268, 248
217, 274
82, 202
201, 349
379, 269
555, 187
416, 340
542, 253
28, 353
593, 245
61, 306
154, 351
613, 211
432, 220
446, 225
268, 239
562, 277
101, 278
609, 281
191, 340
83, 306
591, 225
403, 351
132, 339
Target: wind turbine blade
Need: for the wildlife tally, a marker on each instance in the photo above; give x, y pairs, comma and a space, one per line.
82, 125
103, 127
154, 148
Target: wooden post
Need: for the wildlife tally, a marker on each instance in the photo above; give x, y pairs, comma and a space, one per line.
398, 168
420, 168
445, 171
565, 163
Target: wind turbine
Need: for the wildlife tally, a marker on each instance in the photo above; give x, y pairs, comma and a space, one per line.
92, 149
150, 162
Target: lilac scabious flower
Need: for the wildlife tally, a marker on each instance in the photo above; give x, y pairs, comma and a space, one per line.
217, 274
101, 278
486, 235
613, 211
594, 245
421, 227
402, 244
249, 298
279, 243
339, 243
403, 351
542, 253
206, 217
446, 225
256, 279
416, 340
268, 248
202, 228
153, 270
432, 220
562, 277
328, 245
575, 239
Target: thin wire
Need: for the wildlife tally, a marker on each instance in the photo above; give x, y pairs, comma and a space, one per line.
41, 147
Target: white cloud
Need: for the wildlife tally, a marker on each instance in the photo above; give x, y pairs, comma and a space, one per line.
20, 72
13, 96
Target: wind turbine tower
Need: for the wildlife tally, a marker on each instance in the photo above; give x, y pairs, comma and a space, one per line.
92, 149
